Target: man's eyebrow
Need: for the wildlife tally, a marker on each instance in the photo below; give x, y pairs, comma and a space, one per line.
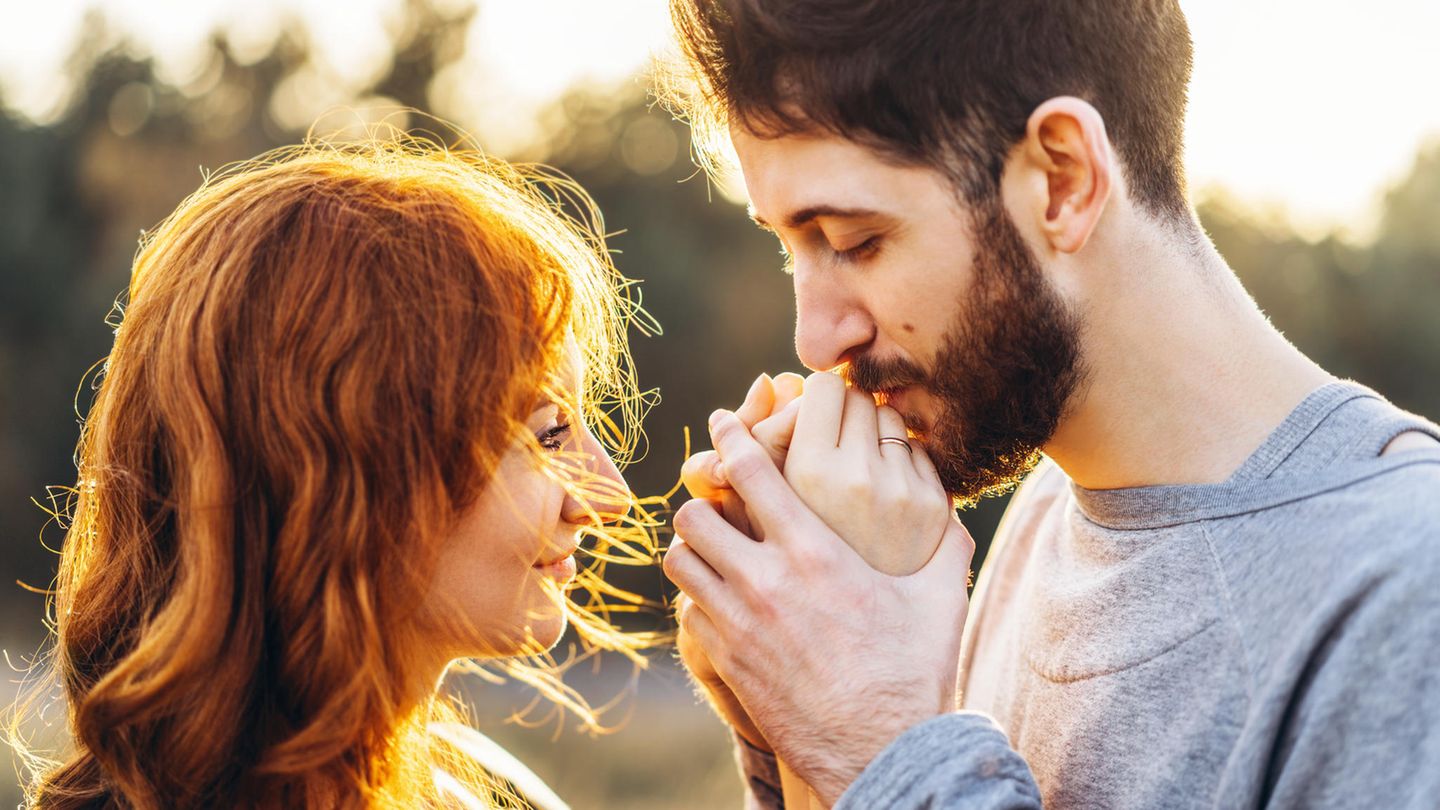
805, 215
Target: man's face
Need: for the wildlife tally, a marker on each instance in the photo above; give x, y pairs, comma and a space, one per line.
946, 314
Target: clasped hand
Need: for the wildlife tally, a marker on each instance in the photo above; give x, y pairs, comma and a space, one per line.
803, 645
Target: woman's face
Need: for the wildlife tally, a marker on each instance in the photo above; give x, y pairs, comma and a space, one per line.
503, 568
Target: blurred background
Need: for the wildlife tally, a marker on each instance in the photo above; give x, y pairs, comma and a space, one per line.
1311, 147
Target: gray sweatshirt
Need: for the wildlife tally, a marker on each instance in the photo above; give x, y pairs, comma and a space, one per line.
1271, 641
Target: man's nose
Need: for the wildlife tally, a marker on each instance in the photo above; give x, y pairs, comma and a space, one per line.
829, 322
601, 490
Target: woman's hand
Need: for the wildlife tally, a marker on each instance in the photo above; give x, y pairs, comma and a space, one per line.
884, 498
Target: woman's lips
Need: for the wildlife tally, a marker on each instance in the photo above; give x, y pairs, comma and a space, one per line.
562, 569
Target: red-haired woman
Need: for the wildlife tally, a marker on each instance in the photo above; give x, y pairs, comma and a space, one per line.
340, 442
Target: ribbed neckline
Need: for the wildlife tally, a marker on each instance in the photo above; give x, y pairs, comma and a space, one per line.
1249, 488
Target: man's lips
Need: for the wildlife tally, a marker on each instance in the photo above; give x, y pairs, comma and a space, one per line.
894, 397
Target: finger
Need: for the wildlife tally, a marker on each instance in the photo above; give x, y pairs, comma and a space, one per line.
773, 505
858, 431
788, 387
891, 425
703, 476
719, 544
924, 467
822, 409
692, 574
698, 634
690, 652
775, 433
759, 401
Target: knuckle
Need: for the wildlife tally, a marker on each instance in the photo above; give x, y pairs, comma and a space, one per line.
898, 502
803, 474
760, 596
745, 463
854, 488
682, 522
670, 563
689, 516
809, 558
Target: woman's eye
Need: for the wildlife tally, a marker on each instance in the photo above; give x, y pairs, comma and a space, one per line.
860, 251
554, 438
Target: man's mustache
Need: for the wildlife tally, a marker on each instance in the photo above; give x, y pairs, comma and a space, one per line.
873, 375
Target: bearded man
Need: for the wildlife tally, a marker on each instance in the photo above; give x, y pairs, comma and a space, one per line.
1217, 588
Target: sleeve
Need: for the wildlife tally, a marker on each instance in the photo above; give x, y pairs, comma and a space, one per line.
959, 761
761, 773
1363, 727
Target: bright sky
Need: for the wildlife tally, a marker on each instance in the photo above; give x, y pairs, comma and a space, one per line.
1314, 105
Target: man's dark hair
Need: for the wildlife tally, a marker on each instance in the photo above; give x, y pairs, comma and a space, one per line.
945, 83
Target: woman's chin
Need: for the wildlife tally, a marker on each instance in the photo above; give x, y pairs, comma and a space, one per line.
539, 635
546, 633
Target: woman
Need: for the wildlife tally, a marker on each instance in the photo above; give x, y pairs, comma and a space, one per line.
339, 443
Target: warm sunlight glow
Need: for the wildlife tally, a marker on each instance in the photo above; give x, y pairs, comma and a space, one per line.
1310, 105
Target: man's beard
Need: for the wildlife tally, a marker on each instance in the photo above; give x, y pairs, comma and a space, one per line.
1004, 375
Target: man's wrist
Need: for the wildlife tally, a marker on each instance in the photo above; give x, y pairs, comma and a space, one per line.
832, 773
724, 703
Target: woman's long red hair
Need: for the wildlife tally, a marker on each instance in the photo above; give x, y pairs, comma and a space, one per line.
322, 356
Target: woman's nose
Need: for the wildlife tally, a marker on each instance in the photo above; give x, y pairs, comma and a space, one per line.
600, 490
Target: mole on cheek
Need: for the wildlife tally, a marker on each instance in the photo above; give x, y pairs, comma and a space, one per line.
907, 327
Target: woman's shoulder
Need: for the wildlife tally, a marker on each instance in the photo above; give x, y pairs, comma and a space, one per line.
497, 761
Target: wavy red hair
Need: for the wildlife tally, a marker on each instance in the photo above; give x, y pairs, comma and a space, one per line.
323, 355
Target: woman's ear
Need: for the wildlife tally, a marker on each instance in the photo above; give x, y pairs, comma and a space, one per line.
1067, 167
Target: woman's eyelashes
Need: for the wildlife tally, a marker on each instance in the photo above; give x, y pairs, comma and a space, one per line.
554, 437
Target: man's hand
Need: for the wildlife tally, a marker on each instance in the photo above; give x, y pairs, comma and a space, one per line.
770, 409
831, 658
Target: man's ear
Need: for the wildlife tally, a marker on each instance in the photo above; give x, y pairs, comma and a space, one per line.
1065, 143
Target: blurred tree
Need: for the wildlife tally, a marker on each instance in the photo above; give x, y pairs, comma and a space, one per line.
74, 196
1372, 312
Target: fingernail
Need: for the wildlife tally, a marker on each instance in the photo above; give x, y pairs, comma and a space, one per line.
718, 473
717, 416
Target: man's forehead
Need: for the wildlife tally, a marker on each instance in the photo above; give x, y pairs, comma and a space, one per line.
793, 179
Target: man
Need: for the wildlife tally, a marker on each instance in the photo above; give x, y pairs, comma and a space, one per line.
1219, 589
